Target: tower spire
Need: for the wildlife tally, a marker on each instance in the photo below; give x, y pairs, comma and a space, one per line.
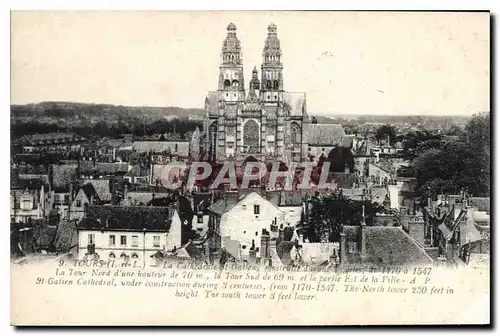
231, 82
272, 68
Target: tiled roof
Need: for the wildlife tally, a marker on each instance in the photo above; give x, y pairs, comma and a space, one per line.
49, 138
222, 206
116, 143
202, 201
385, 166
347, 141
112, 167
66, 236
89, 190
387, 245
63, 175
344, 180
148, 218
324, 134
45, 235
163, 146
30, 184
482, 203
188, 250
141, 198
102, 187
296, 101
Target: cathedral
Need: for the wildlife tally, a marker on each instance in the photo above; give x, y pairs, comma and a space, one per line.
261, 122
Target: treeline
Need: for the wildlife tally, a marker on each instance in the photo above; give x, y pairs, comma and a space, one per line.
182, 128
78, 110
448, 167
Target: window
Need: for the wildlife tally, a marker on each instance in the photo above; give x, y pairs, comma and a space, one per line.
352, 247
200, 219
256, 233
66, 199
244, 247
135, 241
322, 149
112, 240
256, 209
91, 238
78, 203
26, 204
156, 241
123, 240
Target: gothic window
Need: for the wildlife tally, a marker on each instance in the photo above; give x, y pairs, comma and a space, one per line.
227, 83
295, 135
236, 83
276, 84
251, 136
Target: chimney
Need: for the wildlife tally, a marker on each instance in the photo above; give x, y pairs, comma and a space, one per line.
343, 255
362, 236
265, 245
70, 199
125, 191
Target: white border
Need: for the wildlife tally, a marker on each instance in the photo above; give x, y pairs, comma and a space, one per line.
492, 5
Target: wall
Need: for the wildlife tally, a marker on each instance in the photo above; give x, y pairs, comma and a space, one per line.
292, 214
316, 151
143, 249
317, 253
241, 224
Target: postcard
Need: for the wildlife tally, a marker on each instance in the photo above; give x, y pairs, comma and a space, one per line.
219, 168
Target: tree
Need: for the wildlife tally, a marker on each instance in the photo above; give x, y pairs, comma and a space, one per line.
478, 138
449, 169
341, 158
386, 131
328, 214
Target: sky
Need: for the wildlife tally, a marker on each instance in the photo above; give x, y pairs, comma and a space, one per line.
353, 63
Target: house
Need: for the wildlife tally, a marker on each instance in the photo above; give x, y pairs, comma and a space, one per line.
62, 178
85, 195
377, 246
102, 188
239, 223
29, 199
322, 138
141, 198
201, 201
128, 234
179, 148
290, 202
457, 228
381, 171
50, 142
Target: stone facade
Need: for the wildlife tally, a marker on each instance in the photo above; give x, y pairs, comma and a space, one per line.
264, 122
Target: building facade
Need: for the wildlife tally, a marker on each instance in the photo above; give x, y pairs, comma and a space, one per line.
265, 121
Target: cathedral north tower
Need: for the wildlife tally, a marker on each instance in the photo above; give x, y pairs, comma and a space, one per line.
231, 82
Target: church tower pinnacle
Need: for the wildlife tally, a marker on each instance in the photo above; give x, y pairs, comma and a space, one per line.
272, 68
231, 82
